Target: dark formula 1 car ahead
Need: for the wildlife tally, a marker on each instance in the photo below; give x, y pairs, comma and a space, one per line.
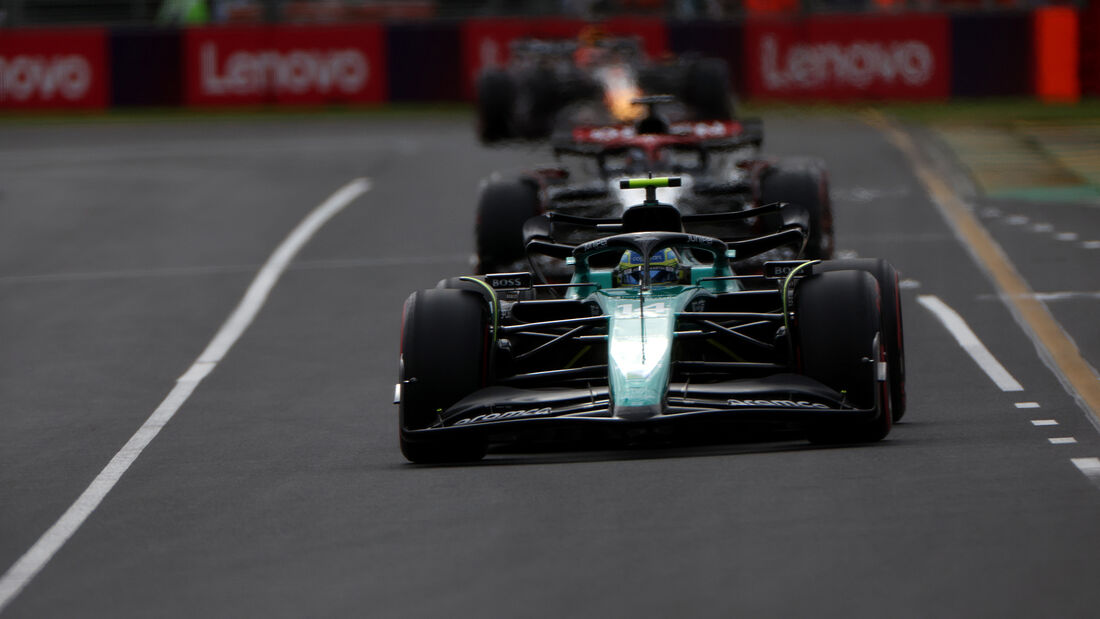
550, 85
717, 160
656, 332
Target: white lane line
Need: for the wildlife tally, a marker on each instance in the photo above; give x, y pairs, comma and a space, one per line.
1090, 467
1063, 440
1066, 236
1091, 245
1027, 405
1044, 422
970, 343
53, 539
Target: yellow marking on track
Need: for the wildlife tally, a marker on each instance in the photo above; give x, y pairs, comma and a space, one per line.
1078, 376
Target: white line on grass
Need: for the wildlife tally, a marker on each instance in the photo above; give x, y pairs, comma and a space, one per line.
53, 539
970, 342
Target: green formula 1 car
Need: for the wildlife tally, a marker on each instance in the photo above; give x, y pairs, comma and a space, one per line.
655, 333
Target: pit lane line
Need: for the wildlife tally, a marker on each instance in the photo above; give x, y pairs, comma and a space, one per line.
31, 563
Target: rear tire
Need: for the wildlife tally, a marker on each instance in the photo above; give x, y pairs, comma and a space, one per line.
893, 331
707, 89
804, 182
839, 328
444, 358
502, 209
495, 102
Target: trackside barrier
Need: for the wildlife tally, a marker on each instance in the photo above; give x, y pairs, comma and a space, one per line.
991, 54
848, 57
54, 69
284, 65
1056, 54
1052, 53
423, 63
146, 67
1090, 49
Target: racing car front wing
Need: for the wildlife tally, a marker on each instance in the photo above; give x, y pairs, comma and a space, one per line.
784, 399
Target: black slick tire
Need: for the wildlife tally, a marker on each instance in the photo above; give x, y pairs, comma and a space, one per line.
495, 103
707, 89
444, 357
893, 329
806, 183
839, 328
502, 209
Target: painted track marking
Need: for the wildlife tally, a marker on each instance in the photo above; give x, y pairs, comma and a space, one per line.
1089, 466
1056, 349
970, 343
1044, 422
20, 574
1027, 405
1063, 440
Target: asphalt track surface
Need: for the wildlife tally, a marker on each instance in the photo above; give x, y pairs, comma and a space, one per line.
278, 489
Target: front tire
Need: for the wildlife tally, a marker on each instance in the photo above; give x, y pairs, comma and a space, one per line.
839, 328
893, 332
444, 357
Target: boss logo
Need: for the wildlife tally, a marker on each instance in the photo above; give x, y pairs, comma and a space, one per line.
509, 280
780, 269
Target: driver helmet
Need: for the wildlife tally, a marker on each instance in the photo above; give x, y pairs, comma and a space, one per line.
664, 269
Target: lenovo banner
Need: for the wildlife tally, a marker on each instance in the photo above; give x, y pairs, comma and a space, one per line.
53, 69
849, 57
486, 42
285, 65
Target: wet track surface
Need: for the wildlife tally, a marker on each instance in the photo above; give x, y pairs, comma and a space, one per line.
278, 488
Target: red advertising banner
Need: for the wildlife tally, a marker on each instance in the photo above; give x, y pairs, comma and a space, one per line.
849, 57
43, 69
486, 42
285, 65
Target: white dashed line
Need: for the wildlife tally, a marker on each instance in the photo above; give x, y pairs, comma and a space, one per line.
1063, 440
1044, 422
970, 343
1066, 236
53, 539
1027, 405
1091, 245
1089, 466
1016, 220
908, 284
1042, 227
